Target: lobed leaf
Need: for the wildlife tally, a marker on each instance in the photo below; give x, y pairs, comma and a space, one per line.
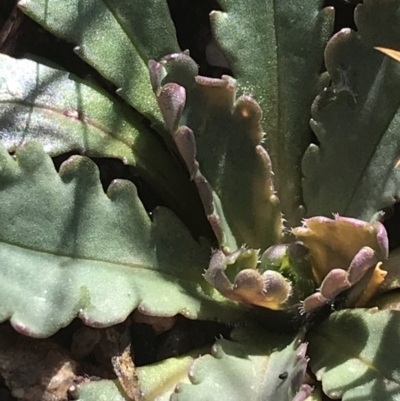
68, 249
334, 243
67, 114
348, 125
355, 354
249, 369
157, 382
219, 138
117, 38
275, 50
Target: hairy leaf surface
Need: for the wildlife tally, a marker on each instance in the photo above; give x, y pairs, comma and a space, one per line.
250, 369
117, 38
354, 170
68, 249
275, 50
157, 382
356, 355
219, 136
65, 114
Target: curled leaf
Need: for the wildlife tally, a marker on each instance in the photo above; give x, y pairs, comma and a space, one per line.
337, 243
268, 289
219, 138
344, 253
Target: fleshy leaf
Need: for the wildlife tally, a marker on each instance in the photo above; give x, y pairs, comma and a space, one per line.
219, 139
117, 38
157, 382
68, 249
356, 355
275, 50
268, 289
65, 114
335, 243
102, 390
348, 126
251, 369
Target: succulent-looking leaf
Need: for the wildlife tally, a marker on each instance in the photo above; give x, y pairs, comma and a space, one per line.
268, 289
253, 370
373, 287
335, 243
68, 249
51, 106
157, 382
117, 38
102, 390
356, 355
293, 262
275, 50
392, 267
378, 23
344, 252
219, 139
348, 126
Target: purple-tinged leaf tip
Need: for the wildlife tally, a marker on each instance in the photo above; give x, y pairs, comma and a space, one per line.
313, 302
334, 283
205, 192
155, 71
186, 144
171, 101
361, 263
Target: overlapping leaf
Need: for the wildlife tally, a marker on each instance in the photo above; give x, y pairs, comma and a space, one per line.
356, 355
354, 170
65, 114
219, 138
117, 38
157, 382
68, 249
275, 49
250, 369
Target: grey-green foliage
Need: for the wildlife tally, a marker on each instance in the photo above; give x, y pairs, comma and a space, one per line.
243, 146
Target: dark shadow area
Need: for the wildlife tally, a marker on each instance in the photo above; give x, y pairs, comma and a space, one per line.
193, 29
392, 225
111, 169
344, 13
6, 7
186, 335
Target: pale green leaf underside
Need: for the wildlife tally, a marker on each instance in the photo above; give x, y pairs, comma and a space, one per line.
245, 370
275, 49
103, 390
116, 37
357, 122
157, 382
68, 249
356, 355
66, 114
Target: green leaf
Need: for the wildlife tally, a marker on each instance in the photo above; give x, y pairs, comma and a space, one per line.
117, 38
67, 114
102, 390
157, 382
219, 138
378, 23
250, 369
356, 355
275, 50
356, 121
68, 249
